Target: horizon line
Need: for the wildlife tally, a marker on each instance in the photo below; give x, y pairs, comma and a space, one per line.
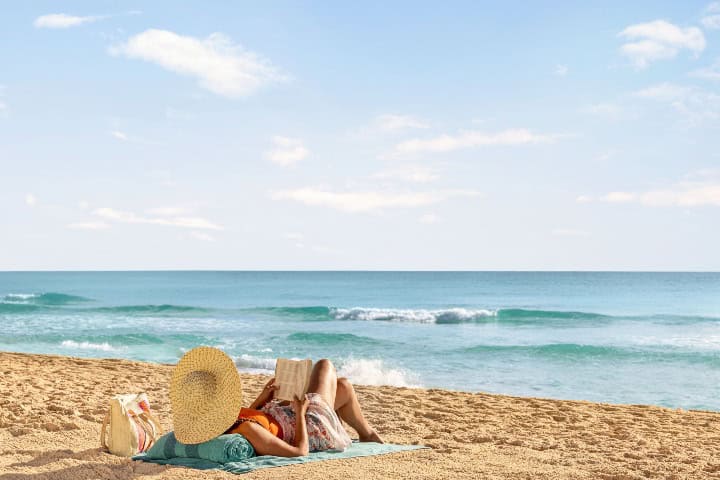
351, 271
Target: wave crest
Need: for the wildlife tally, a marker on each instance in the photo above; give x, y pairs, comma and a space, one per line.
449, 315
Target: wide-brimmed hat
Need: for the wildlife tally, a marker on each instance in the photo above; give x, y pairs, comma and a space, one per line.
205, 395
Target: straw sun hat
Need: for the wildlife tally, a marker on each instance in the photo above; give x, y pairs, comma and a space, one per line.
205, 395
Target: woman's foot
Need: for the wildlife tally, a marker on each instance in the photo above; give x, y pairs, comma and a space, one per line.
371, 437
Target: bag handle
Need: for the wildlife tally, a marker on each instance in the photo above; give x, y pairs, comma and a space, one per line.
103, 431
150, 425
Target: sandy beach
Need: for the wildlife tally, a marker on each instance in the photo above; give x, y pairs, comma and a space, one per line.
51, 408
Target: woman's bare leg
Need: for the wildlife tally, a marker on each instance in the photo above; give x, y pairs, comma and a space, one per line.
323, 380
340, 393
348, 408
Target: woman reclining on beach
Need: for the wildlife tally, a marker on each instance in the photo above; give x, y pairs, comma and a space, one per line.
292, 429
206, 396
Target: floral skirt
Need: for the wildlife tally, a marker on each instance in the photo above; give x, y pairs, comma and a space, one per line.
325, 431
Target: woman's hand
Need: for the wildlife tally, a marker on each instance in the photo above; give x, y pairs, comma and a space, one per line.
300, 405
267, 394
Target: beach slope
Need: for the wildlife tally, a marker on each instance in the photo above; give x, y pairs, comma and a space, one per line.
51, 408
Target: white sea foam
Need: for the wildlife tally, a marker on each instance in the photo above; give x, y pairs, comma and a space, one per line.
448, 315
374, 372
255, 364
18, 297
359, 370
105, 347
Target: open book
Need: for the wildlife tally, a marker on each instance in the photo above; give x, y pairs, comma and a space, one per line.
292, 377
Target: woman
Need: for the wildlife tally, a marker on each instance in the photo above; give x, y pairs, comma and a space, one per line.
310, 424
205, 390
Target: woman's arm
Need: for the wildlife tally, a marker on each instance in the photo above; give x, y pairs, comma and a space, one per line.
267, 394
301, 436
265, 443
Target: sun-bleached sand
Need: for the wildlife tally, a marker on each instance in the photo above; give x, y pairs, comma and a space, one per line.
51, 408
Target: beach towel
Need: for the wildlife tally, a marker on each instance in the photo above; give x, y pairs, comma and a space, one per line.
357, 449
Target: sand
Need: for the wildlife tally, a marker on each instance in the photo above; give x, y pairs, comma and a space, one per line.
51, 408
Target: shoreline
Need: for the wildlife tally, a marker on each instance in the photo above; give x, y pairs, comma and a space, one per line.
51, 408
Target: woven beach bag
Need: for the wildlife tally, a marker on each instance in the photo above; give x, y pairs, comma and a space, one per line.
133, 429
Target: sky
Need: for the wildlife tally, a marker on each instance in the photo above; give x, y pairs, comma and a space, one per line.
365, 136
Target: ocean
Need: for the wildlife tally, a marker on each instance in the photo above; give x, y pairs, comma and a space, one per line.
646, 338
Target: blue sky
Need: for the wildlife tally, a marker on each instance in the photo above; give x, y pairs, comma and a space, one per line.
378, 135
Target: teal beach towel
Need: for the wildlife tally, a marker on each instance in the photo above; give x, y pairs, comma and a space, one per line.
357, 449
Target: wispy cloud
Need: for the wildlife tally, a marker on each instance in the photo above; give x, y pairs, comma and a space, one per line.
429, 219
89, 226
561, 70
202, 236
711, 19
297, 238
218, 64
603, 109
659, 40
392, 123
366, 201
122, 136
618, 197
30, 200
168, 211
700, 190
63, 20
472, 139
287, 151
3, 106
693, 103
120, 216
708, 73
409, 173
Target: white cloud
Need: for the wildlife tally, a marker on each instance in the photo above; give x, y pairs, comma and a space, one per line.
298, 237
122, 136
711, 22
692, 191
606, 109
570, 232
89, 226
708, 73
219, 65
693, 103
3, 106
659, 40
473, 139
366, 201
30, 200
561, 70
287, 151
168, 211
429, 219
62, 20
583, 199
390, 122
130, 217
619, 197
410, 173
202, 236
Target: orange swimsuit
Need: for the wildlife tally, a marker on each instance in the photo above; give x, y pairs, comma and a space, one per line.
261, 418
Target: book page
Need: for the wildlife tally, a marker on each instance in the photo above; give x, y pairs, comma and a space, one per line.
292, 377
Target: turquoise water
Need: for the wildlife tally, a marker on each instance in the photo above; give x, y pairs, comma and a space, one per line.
614, 337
